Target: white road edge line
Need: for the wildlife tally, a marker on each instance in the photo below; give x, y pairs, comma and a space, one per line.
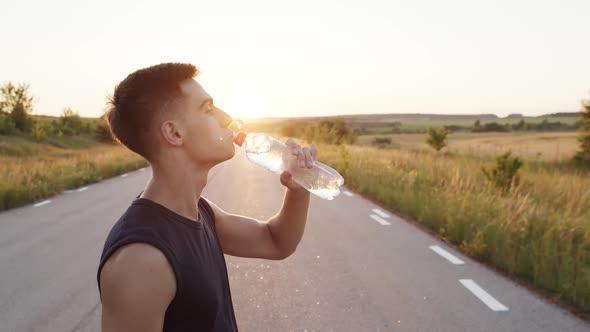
124, 175
82, 189
42, 203
481, 294
381, 213
447, 255
380, 220
348, 193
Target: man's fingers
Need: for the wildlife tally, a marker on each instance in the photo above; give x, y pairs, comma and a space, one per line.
290, 142
286, 175
300, 156
308, 160
314, 151
305, 156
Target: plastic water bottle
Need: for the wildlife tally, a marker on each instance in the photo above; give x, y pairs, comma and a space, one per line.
266, 151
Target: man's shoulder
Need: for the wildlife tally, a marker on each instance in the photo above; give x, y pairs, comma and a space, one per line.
136, 281
137, 253
139, 265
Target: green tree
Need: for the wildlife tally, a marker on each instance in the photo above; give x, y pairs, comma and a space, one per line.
21, 119
7, 127
583, 155
476, 126
520, 125
436, 138
17, 103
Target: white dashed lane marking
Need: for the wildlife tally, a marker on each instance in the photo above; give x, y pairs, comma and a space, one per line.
380, 220
381, 213
82, 189
348, 193
447, 255
125, 175
484, 296
42, 203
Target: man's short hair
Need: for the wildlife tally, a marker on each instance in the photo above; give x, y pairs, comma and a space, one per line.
140, 99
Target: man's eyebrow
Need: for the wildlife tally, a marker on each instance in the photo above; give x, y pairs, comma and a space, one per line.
208, 100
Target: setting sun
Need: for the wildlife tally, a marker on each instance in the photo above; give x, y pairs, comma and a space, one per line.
247, 106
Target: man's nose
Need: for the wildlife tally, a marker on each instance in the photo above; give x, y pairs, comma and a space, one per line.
225, 119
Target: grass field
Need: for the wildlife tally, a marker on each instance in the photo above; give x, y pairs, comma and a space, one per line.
549, 146
31, 171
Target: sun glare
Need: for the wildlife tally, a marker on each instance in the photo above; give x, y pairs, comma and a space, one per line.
246, 106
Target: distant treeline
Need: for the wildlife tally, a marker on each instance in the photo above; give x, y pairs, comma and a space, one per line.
339, 131
407, 118
16, 106
522, 125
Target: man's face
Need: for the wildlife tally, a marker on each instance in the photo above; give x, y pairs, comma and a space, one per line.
206, 139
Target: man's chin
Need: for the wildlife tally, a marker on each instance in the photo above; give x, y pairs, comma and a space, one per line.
227, 156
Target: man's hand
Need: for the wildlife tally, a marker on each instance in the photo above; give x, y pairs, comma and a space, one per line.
278, 237
297, 158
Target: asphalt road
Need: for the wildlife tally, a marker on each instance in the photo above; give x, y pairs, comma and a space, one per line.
356, 269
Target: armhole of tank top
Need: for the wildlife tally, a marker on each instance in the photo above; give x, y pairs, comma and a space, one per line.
209, 210
142, 237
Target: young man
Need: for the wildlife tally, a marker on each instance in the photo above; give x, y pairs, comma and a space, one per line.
162, 267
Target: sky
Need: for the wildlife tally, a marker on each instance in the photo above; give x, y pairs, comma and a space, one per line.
306, 58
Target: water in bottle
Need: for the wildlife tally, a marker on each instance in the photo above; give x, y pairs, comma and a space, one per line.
264, 150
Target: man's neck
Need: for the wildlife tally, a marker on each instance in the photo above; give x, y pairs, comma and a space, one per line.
177, 189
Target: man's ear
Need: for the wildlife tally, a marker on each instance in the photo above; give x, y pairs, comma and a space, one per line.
172, 132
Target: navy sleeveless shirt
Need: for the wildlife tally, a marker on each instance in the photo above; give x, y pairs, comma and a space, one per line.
203, 298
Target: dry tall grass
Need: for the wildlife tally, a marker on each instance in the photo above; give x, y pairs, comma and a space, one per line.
29, 172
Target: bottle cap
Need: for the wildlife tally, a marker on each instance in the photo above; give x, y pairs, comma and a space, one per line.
239, 138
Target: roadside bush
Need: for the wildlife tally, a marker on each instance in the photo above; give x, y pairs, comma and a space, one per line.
381, 141
344, 161
7, 127
436, 138
292, 129
102, 133
330, 132
583, 155
38, 132
70, 123
504, 175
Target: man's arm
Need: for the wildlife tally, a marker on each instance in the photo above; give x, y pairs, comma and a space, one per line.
279, 236
137, 284
274, 239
